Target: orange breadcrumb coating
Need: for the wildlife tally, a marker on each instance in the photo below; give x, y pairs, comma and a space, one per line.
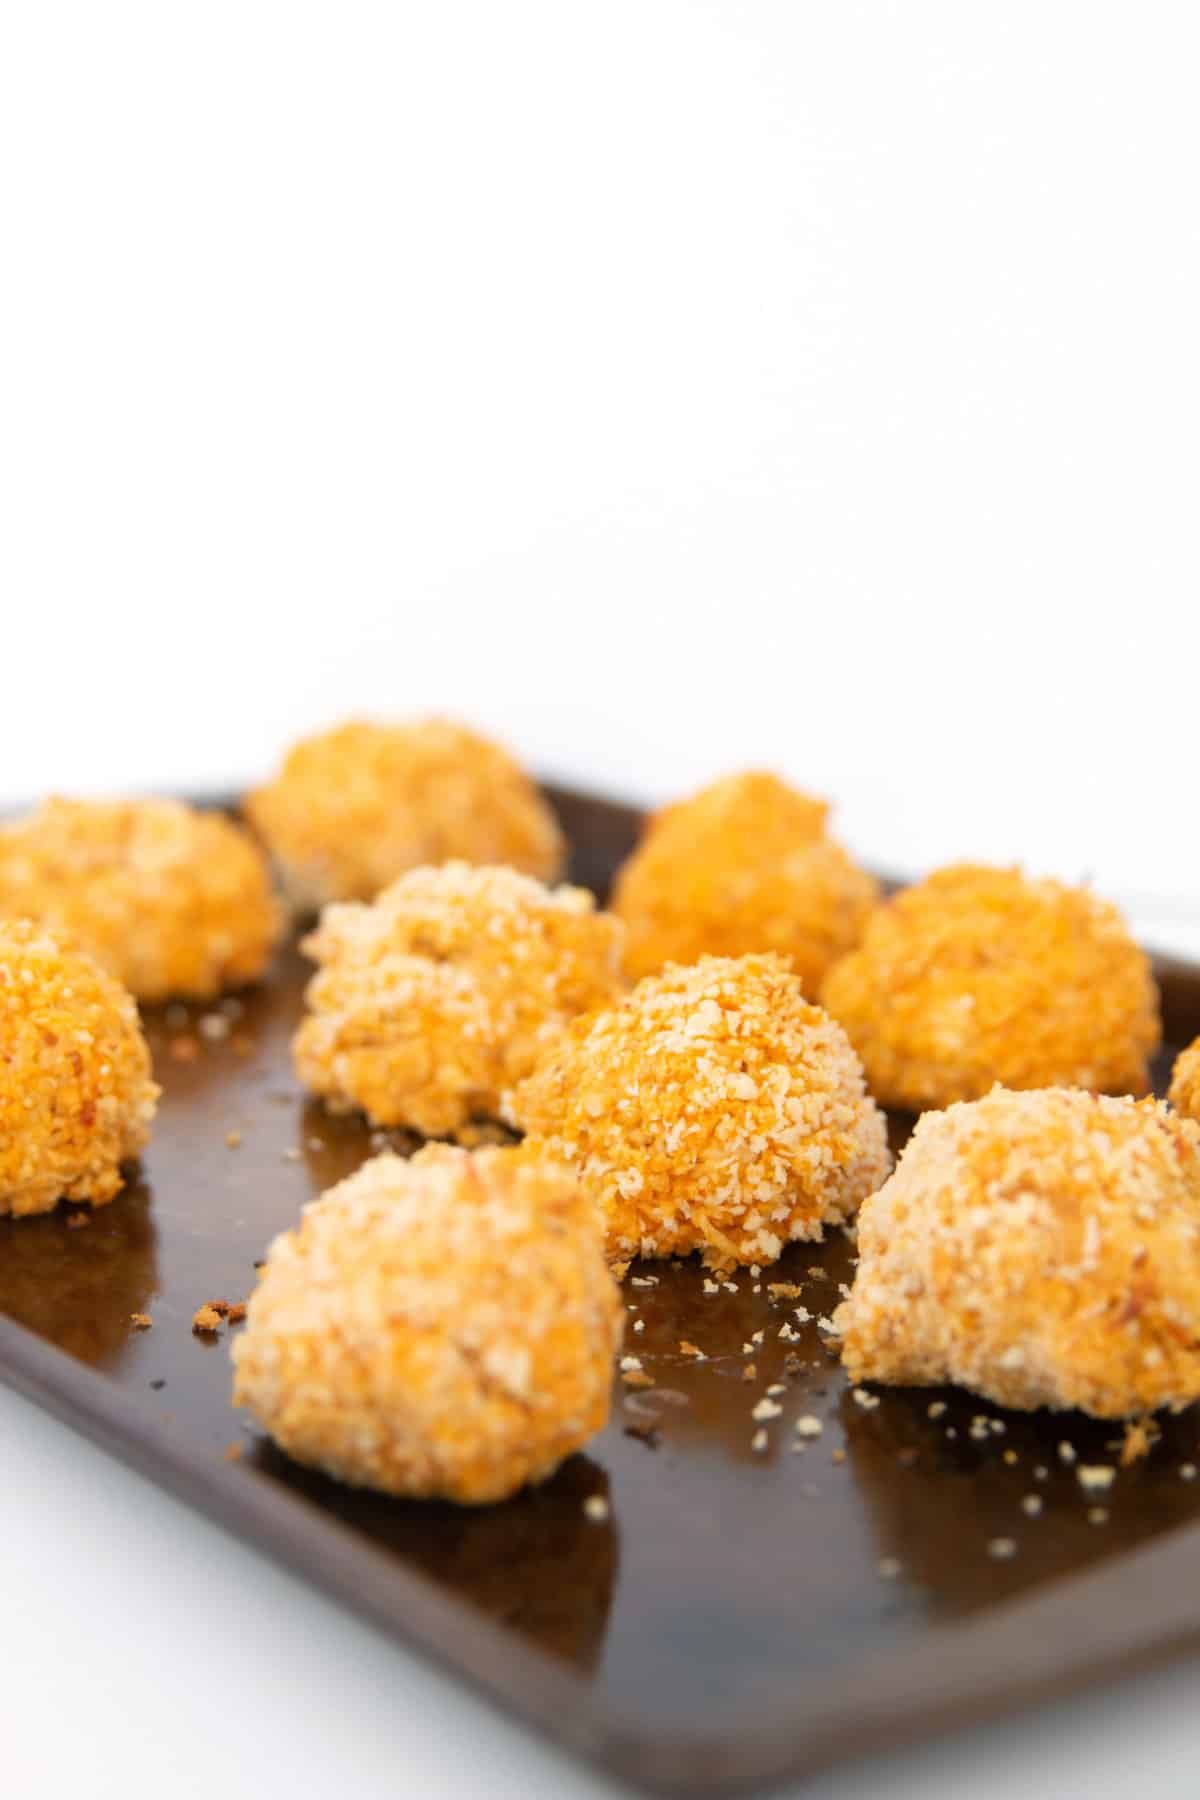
76, 1098
441, 1327
1040, 1248
355, 807
1185, 1082
981, 975
712, 1110
168, 899
743, 866
435, 1000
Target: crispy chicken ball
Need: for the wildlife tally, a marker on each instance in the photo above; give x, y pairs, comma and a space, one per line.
746, 865
1042, 1249
443, 1327
76, 1098
981, 975
1185, 1082
712, 1110
432, 1002
353, 808
170, 900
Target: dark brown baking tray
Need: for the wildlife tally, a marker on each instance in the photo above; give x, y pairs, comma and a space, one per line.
741, 1616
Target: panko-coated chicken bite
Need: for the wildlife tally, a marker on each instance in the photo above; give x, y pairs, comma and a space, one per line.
745, 865
443, 1327
1185, 1082
76, 1097
355, 807
170, 900
981, 975
434, 1001
1041, 1249
712, 1110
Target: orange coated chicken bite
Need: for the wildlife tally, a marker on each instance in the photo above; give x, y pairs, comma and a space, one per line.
1185, 1082
76, 1097
435, 1000
443, 1327
355, 807
170, 900
745, 865
1040, 1248
981, 975
714, 1110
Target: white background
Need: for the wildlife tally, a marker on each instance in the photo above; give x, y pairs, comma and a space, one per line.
667, 387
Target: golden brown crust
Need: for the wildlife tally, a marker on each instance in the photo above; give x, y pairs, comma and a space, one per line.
76, 1097
168, 899
355, 807
1041, 1248
982, 975
435, 1000
442, 1327
743, 866
1185, 1082
712, 1110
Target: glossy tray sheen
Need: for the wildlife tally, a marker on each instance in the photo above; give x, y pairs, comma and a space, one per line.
738, 1618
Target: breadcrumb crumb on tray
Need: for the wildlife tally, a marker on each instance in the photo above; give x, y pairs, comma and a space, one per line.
689, 1554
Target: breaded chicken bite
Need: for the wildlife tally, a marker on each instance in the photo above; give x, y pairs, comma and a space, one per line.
355, 807
981, 975
76, 1097
1042, 1249
1185, 1082
745, 865
170, 900
443, 1327
435, 1000
712, 1110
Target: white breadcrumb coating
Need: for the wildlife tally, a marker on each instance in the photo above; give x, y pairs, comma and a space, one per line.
435, 1000
745, 865
355, 807
980, 975
712, 1110
1185, 1082
441, 1327
170, 900
1042, 1249
76, 1098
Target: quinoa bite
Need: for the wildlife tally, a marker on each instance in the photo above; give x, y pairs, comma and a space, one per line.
1184, 1093
354, 807
713, 1109
745, 865
171, 900
431, 1003
1040, 1248
76, 1094
440, 1327
982, 975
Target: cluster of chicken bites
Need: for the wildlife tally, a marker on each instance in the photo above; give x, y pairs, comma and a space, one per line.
76, 1094
712, 1110
746, 865
170, 900
443, 1327
1184, 1093
1042, 1249
355, 807
432, 1003
981, 975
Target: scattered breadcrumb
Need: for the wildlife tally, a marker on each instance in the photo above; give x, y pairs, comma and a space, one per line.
889, 1567
759, 1441
866, 1400
637, 1378
688, 1349
1095, 1478
1032, 1504
784, 1290
596, 1508
141, 1321
809, 1426
233, 1138
1098, 1515
1002, 1549
206, 1319
750, 1372
1187, 1471
1140, 1437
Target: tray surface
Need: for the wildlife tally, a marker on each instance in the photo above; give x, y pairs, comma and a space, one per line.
741, 1613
